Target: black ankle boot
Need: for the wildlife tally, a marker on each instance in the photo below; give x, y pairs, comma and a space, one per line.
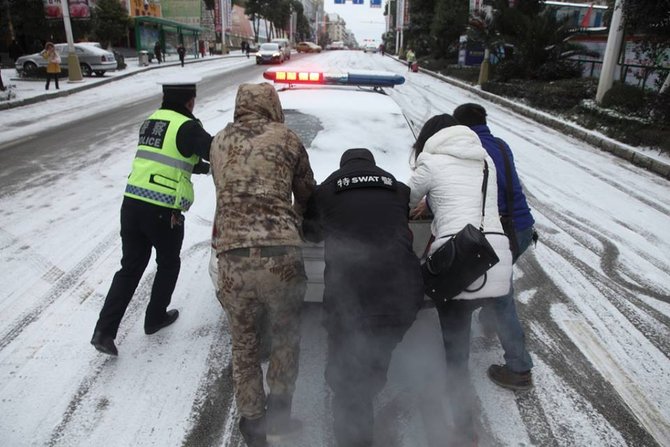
253, 431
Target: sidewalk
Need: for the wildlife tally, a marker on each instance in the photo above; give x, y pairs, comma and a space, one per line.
23, 91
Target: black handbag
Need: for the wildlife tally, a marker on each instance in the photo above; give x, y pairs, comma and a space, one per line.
457, 264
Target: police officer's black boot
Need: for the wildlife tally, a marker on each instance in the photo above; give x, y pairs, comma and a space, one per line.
253, 431
279, 421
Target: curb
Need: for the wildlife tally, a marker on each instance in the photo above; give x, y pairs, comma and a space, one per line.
40, 98
604, 143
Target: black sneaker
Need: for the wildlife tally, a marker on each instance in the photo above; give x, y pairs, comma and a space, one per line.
104, 343
506, 378
170, 317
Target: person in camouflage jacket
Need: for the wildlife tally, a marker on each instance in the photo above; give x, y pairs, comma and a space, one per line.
258, 164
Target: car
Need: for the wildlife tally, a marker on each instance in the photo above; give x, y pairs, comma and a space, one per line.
285, 46
317, 107
269, 53
337, 45
370, 47
92, 59
308, 47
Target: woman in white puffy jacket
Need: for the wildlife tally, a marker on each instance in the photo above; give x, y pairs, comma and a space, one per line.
447, 178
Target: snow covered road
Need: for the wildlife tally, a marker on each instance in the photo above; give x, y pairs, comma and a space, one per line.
594, 295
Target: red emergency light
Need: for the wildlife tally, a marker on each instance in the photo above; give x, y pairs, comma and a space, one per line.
294, 77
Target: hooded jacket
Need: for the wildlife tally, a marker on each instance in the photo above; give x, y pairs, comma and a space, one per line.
258, 165
372, 276
450, 171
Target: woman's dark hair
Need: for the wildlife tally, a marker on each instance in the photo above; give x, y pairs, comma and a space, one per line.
430, 128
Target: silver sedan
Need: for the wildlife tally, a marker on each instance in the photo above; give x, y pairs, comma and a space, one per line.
92, 59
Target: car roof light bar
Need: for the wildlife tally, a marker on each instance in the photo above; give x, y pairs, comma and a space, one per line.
352, 78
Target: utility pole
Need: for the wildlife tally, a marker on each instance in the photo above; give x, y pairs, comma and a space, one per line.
614, 39
73, 68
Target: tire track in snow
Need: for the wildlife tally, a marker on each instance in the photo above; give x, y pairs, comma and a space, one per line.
133, 313
622, 294
62, 285
211, 424
567, 362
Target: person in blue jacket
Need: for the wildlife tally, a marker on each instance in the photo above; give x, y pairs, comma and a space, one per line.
519, 227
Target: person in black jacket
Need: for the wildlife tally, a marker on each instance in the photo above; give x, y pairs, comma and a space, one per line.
373, 284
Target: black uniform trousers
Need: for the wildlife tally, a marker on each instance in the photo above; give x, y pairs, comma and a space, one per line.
356, 367
144, 226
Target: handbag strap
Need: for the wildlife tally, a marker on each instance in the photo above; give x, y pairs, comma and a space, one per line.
509, 195
484, 186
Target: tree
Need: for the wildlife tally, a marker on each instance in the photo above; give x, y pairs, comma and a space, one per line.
417, 33
110, 22
539, 44
449, 21
650, 20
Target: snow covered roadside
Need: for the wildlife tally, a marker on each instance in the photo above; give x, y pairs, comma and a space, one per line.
645, 158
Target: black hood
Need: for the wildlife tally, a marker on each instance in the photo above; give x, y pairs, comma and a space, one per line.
356, 154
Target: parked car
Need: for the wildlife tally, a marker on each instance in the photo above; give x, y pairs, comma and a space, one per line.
317, 107
269, 53
92, 59
308, 47
285, 46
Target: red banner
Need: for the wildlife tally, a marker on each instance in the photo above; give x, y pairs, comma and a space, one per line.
79, 9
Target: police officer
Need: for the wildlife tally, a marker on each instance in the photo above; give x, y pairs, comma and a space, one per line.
373, 284
172, 145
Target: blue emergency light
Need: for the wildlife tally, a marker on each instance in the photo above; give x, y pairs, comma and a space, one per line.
358, 78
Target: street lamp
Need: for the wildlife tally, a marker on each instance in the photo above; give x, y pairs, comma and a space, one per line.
73, 68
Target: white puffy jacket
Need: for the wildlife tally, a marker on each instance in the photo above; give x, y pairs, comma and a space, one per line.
450, 172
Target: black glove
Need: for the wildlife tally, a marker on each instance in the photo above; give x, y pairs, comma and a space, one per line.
201, 168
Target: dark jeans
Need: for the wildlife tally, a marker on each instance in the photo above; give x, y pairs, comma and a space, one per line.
143, 226
356, 367
49, 76
455, 319
502, 315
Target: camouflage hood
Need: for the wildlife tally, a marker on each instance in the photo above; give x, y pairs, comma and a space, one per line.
259, 167
258, 101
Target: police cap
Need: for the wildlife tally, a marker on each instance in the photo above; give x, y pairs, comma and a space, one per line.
179, 89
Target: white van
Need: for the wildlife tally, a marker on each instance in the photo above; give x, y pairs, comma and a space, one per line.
285, 47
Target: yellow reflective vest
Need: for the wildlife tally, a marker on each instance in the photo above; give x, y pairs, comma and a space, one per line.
160, 174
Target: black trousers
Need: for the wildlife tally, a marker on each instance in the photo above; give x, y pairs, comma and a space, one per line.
356, 367
49, 76
144, 226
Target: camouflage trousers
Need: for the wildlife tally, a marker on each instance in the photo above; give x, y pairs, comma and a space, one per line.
250, 284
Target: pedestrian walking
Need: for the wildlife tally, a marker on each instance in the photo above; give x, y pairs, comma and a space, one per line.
172, 144
382, 48
373, 285
201, 48
517, 220
411, 58
158, 52
454, 177
258, 164
53, 64
181, 51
